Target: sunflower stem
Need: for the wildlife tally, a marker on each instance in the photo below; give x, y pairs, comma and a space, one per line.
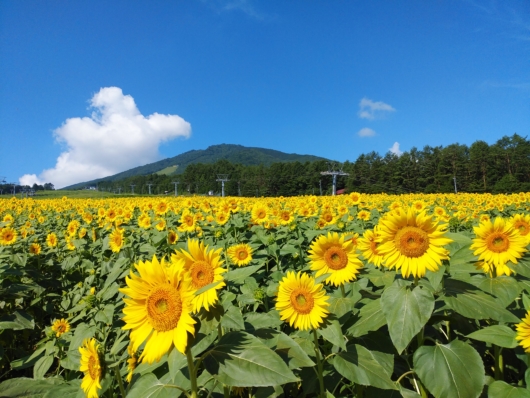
193, 375
342, 290
319, 365
226, 390
499, 362
120, 381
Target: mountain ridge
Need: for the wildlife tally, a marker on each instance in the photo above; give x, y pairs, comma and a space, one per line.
234, 153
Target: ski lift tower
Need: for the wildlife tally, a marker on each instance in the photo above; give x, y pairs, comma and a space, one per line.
223, 178
332, 172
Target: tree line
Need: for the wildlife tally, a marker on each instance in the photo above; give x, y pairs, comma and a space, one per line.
503, 167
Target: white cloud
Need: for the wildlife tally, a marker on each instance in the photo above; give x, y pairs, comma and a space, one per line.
366, 132
116, 137
373, 109
395, 149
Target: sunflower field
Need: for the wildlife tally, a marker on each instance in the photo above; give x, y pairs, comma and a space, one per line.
346, 296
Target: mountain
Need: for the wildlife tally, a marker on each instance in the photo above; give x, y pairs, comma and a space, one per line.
248, 156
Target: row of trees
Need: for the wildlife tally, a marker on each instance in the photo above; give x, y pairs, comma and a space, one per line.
11, 189
503, 167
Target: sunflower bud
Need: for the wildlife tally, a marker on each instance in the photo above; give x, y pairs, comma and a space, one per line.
259, 294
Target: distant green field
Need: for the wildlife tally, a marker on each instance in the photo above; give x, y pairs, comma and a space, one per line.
168, 170
81, 194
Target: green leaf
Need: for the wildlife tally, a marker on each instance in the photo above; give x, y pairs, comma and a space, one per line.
117, 270
71, 389
239, 275
371, 318
361, 366
500, 335
332, 332
505, 288
462, 261
451, 370
233, 319
241, 360
406, 311
340, 305
260, 320
500, 389
23, 387
18, 320
522, 267
459, 239
207, 287
42, 366
148, 386
479, 306
293, 355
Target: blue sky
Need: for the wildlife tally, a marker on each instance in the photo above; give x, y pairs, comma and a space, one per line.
93, 88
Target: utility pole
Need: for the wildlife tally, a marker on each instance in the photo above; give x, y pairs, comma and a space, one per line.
176, 183
119, 190
223, 178
132, 188
331, 171
454, 179
149, 185
239, 188
320, 187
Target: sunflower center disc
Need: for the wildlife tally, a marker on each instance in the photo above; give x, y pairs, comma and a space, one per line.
412, 241
201, 274
262, 214
373, 246
302, 301
164, 308
497, 242
93, 368
336, 258
242, 254
61, 328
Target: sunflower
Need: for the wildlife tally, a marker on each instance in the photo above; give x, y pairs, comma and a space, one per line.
222, 217
91, 367
8, 236
204, 267
240, 254
60, 326
332, 254
301, 302
188, 222
260, 213
144, 221
498, 243
160, 224
116, 240
172, 237
355, 198
161, 208
523, 332
35, 249
286, 217
521, 222
364, 215
73, 226
413, 242
158, 308
368, 246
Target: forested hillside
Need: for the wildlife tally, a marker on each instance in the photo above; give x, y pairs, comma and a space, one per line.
501, 167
